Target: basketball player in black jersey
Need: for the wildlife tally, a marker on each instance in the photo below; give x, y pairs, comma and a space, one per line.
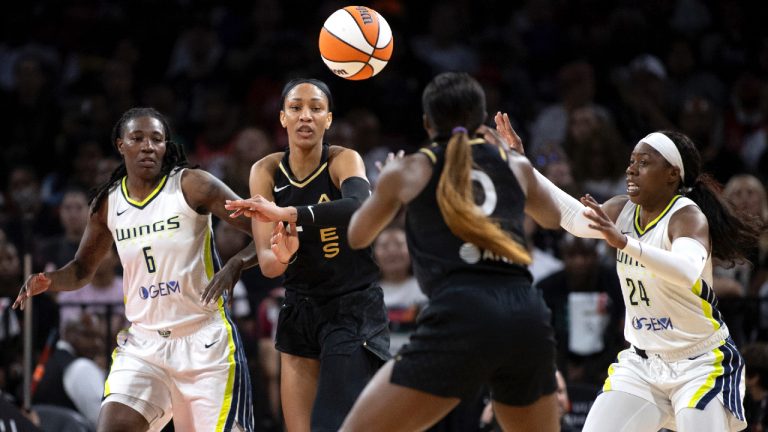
465, 200
332, 331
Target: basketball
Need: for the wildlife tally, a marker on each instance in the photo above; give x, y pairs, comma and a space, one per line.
356, 42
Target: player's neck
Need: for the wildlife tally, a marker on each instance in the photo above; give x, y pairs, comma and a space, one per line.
139, 188
651, 210
304, 161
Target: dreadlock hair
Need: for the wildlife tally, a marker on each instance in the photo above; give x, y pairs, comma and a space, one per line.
315, 82
732, 231
174, 157
453, 104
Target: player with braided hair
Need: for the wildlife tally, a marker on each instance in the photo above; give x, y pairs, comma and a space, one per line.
182, 356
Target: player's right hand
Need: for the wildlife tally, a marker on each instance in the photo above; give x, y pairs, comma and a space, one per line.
507, 132
35, 284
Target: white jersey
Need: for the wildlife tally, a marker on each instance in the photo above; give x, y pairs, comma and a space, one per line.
660, 315
166, 249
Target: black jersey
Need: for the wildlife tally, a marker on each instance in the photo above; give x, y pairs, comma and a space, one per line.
325, 264
437, 254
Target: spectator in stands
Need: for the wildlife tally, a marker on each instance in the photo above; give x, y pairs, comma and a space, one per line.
487, 422
10, 328
585, 299
747, 320
251, 144
25, 210
576, 86
56, 251
402, 295
594, 145
102, 297
73, 377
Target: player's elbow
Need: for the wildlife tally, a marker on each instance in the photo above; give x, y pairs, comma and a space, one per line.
272, 271
356, 238
550, 222
357, 243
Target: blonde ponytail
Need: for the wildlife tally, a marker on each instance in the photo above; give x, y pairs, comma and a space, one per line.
457, 205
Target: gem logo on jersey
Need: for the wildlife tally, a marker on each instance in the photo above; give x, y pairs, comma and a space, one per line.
162, 289
652, 324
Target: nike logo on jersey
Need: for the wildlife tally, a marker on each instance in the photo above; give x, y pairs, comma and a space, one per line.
278, 189
626, 232
211, 344
121, 212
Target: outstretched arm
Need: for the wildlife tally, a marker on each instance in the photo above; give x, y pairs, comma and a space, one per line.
348, 173
274, 244
75, 274
400, 181
682, 264
571, 211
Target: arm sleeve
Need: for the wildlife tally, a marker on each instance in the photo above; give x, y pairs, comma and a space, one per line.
681, 265
572, 217
354, 191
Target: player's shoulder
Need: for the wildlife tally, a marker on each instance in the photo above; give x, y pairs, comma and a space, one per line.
268, 164
614, 205
688, 212
194, 178
336, 151
411, 171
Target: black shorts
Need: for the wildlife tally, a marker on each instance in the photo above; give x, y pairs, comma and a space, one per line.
492, 331
317, 327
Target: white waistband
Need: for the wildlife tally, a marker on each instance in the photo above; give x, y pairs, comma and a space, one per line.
713, 341
176, 332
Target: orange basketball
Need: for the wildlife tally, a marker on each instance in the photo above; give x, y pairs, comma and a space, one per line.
356, 42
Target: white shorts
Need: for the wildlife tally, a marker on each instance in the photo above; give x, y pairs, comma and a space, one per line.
688, 383
197, 374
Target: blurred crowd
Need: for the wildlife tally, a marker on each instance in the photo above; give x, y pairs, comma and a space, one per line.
582, 80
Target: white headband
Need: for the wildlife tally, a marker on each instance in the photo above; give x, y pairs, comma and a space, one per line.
662, 144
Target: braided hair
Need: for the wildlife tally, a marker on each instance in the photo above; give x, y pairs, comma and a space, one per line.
732, 231
174, 157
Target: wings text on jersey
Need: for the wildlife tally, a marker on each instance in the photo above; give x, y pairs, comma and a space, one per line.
172, 223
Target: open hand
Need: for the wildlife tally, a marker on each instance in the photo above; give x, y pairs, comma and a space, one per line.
284, 242
390, 157
35, 284
601, 222
504, 128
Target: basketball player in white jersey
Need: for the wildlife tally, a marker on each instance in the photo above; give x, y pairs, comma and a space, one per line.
682, 370
182, 356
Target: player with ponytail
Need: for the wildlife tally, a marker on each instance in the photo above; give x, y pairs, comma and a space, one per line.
465, 197
682, 370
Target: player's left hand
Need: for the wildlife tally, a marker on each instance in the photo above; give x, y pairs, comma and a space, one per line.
391, 157
284, 242
223, 281
601, 222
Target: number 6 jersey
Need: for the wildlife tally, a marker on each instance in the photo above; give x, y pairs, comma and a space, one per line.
166, 249
662, 316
